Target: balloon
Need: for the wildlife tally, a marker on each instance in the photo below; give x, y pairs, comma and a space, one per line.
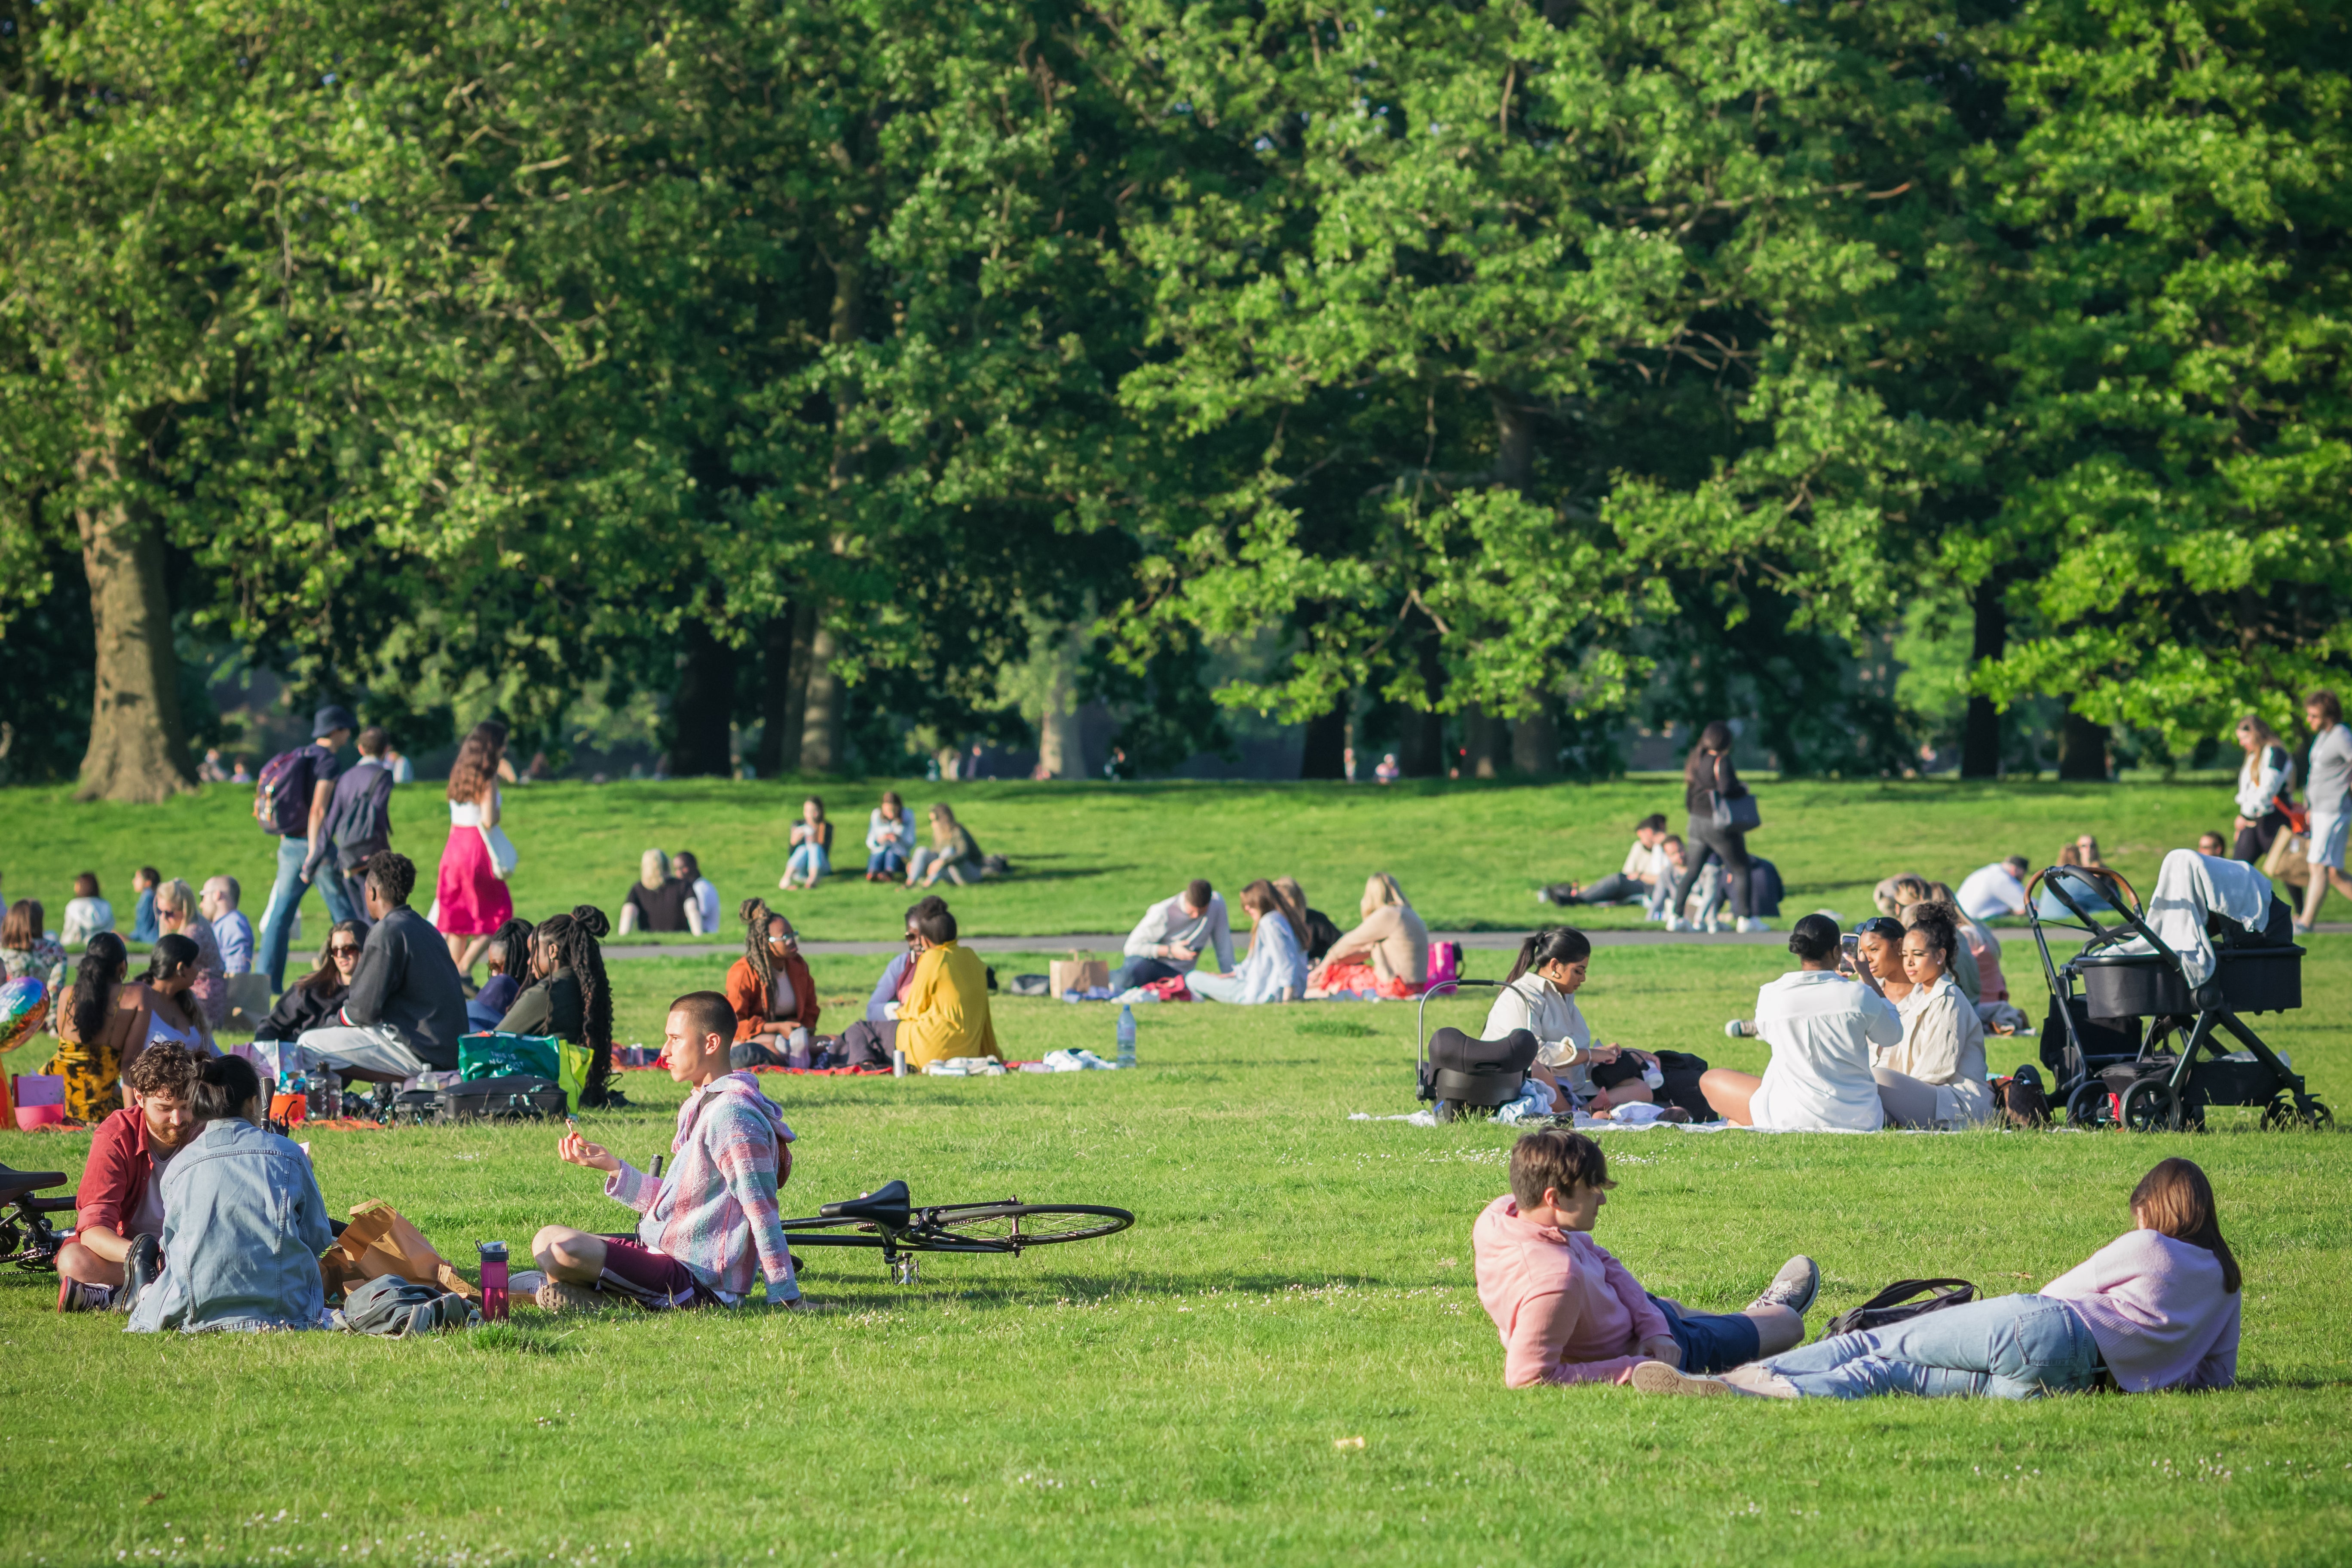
24, 1005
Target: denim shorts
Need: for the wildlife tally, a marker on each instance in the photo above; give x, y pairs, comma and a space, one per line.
1711, 1341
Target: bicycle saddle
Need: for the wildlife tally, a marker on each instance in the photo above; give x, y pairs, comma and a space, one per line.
14, 1184
888, 1205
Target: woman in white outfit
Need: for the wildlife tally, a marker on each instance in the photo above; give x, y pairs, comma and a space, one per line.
1539, 996
1822, 1026
1275, 967
1936, 1073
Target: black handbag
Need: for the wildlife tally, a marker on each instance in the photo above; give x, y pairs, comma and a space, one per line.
1735, 813
518, 1096
1895, 1304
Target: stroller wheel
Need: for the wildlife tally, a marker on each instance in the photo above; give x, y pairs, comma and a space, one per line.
2296, 1113
2151, 1106
2087, 1107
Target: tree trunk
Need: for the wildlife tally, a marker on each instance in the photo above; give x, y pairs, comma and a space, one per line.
1535, 741
776, 697
1325, 754
1981, 741
796, 675
1482, 744
1420, 743
821, 725
2082, 749
702, 711
138, 750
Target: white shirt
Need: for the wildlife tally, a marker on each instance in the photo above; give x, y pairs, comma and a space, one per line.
469, 813
1170, 921
1822, 1027
2266, 775
85, 918
1644, 862
706, 900
1550, 1014
1991, 890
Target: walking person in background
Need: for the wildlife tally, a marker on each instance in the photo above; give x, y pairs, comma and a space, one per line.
143, 882
889, 839
292, 803
179, 914
2328, 796
812, 856
86, 912
473, 897
701, 898
657, 900
1707, 777
2266, 777
359, 822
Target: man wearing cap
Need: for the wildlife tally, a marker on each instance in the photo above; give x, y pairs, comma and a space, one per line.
314, 774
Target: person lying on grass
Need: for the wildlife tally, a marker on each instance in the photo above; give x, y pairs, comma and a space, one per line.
2155, 1308
121, 1192
243, 1221
711, 1228
1569, 1313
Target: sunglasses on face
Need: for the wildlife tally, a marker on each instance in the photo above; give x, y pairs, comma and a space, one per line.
345, 951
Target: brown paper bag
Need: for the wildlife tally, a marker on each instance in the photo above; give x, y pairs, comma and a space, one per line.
2288, 860
378, 1241
1076, 974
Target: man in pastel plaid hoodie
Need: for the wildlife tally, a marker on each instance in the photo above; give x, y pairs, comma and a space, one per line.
711, 1228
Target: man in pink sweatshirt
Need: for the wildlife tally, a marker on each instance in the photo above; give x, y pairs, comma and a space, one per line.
1569, 1313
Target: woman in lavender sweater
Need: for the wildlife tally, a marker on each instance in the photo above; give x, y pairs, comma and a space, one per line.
2154, 1309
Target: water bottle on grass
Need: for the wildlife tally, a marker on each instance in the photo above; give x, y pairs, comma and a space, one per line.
1125, 1034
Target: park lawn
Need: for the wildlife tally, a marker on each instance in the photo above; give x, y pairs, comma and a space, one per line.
1196, 1389
1089, 857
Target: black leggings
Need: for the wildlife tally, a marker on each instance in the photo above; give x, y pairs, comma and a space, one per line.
2254, 842
1705, 841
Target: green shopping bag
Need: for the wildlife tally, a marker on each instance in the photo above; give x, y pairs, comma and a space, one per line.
498, 1056
573, 1062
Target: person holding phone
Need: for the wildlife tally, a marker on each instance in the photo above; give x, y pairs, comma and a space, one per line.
1821, 1021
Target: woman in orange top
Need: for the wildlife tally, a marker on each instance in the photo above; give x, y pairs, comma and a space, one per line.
772, 991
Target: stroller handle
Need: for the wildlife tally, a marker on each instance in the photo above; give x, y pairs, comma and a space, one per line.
1421, 1016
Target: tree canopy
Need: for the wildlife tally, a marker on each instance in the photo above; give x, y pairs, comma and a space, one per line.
848, 371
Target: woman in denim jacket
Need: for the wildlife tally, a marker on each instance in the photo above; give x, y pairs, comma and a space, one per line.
243, 1221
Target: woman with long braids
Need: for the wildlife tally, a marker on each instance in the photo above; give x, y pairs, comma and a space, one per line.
772, 993
569, 997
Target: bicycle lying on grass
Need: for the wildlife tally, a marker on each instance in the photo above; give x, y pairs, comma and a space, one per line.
26, 1237
887, 1219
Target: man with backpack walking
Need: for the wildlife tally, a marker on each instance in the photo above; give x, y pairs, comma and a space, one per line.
291, 801
359, 821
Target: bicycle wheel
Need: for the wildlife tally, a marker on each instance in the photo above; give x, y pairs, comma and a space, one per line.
1011, 1227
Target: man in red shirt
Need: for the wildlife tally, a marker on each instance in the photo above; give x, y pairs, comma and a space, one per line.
122, 1193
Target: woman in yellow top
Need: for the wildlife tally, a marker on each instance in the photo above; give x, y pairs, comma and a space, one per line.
946, 1011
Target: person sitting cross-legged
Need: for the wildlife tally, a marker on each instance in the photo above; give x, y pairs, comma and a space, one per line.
946, 1013
244, 1221
774, 995
406, 1008
711, 1227
121, 1192
1174, 935
1570, 1312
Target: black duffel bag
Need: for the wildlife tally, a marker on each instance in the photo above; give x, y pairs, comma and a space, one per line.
1896, 1304
517, 1097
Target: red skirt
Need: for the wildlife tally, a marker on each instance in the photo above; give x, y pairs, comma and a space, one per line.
1363, 980
474, 903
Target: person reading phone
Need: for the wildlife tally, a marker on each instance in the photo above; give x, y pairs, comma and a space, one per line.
1821, 1021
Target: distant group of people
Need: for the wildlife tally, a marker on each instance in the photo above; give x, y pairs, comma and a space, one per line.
1295, 952
892, 855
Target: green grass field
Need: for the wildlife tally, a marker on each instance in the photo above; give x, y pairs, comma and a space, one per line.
1194, 1390
1090, 857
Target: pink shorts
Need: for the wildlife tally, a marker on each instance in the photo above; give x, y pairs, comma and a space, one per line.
654, 1280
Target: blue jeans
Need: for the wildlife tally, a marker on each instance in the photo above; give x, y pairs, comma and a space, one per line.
2012, 1347
886, 862
809, 859
1141, 972
285, 898
1711, 1341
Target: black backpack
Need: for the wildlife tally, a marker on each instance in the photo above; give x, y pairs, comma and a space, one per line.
1895, 1305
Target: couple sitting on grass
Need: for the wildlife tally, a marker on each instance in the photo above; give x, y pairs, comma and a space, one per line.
2156, 1309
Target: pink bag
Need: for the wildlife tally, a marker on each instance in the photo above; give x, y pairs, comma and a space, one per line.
1445, 961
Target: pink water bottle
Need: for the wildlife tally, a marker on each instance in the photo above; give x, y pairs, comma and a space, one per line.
494, 1281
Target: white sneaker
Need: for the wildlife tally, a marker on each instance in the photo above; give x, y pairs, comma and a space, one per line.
1749, 922
1739, 1028
1799, 1281
1657, 1377
1717, 925
1754, 1378
1676, 922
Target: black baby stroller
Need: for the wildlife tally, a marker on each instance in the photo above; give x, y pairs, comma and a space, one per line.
1462, 1074
2131, 1043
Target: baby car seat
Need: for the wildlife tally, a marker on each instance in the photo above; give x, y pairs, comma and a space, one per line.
1460, 1071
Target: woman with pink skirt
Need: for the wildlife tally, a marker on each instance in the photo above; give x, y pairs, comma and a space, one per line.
473, 900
